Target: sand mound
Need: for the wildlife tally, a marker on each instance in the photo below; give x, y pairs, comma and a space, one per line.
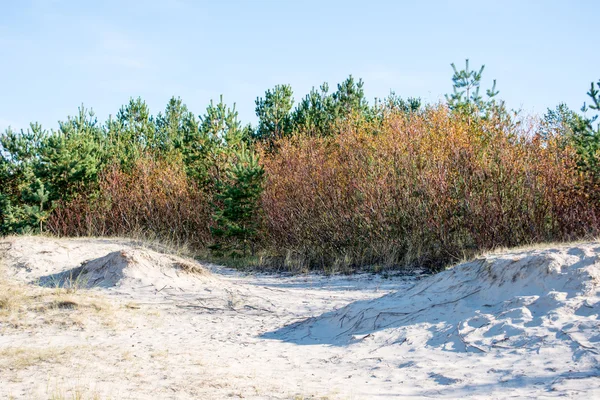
130, 267
519, 300
88, 263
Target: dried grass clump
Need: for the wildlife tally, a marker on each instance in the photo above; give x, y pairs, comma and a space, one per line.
26, 306
18, 358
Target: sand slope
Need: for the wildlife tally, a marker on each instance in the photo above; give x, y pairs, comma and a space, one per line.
527, 300
515, 324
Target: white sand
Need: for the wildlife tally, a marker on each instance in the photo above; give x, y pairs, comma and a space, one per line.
523, 324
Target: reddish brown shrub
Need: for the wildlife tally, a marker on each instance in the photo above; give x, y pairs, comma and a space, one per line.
429, 188
155, 198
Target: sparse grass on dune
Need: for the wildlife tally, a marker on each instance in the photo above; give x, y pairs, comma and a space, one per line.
24, 306
29, 310
534, 246
149, 240
501, 250
230, 336
73, 395
18, 358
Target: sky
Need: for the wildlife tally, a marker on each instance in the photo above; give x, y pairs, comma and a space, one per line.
56, 55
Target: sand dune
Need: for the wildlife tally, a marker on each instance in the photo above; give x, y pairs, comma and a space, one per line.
513, 324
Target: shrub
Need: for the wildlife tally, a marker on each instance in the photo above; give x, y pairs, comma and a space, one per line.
154, 198
427, 188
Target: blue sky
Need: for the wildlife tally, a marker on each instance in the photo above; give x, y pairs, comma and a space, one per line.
56, 55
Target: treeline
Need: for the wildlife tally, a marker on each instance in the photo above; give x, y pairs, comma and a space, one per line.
332, 182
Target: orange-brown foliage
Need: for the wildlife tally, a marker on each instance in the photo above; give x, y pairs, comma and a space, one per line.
429, 188
155, 198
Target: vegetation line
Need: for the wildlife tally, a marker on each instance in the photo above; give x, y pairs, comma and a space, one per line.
333, 182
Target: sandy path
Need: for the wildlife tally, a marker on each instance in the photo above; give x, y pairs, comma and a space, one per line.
228, 335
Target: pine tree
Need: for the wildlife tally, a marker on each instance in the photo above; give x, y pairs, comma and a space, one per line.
311, 115
36, 213
20, 157
273, 112
131, 133
349, 98
587, 139
5, 190
39, 167
210, 148
176, 128
318, 112
220, 123
71, 159
466, 96
237, 205
394, 102
564, 121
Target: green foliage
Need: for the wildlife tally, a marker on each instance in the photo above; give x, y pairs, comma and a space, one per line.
72, 158
131, 132
176, 129
393, 102
587, 138
311, 116
349, 98
20, 153
219, 135
178, 132
317, 113
220, 124
594, 94
34, 214
579, 131
41, 167
562, 120
273, 112
237, 205
136, 123
466, 96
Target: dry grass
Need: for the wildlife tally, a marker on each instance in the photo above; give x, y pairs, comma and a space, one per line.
11, 297
30, 309
25, 306
190, 267
135, 238
61, 391
22, 307
19, 358
522, 249
76, 394
539, 246
70, 304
